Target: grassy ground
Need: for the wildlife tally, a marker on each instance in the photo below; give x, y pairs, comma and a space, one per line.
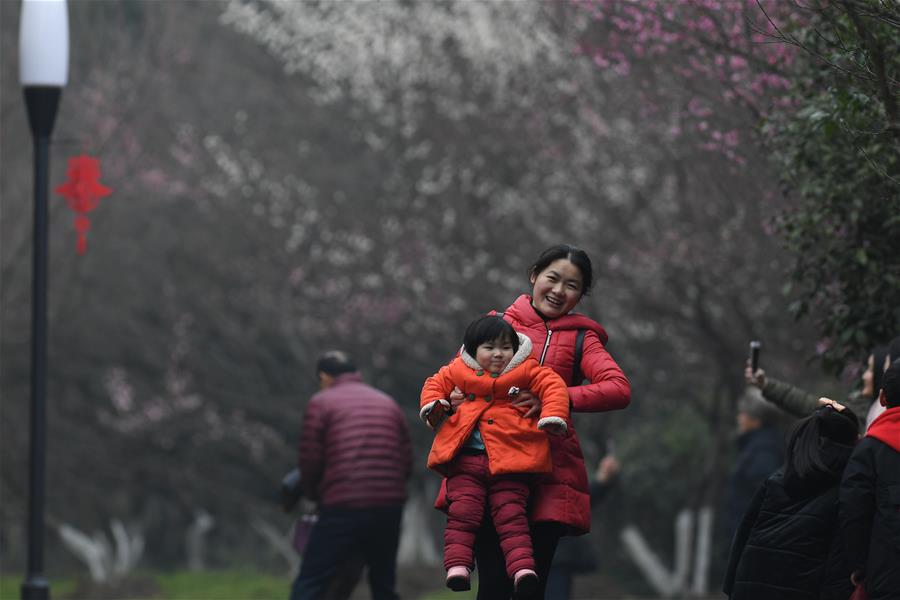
416, 584
11, 584
207, 585
210, 585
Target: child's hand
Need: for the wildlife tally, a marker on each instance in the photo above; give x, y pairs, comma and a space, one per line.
553, 425
556, 429
437, 413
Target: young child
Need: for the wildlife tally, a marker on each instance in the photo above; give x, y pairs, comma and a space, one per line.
787, 546
870, 498
486, 448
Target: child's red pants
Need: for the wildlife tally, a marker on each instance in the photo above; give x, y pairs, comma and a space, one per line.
469, 486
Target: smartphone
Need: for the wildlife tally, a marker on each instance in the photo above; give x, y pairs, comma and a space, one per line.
754, 355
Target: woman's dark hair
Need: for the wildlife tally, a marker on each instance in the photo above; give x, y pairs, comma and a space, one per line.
488, 329
805, 448
891, 384
879, 353
334, 363
576, 256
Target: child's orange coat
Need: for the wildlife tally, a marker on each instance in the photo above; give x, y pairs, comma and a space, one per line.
513, 443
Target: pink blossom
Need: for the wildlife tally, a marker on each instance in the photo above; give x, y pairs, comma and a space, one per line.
738, 62
697, 108
622, 68
731, 138
600, 61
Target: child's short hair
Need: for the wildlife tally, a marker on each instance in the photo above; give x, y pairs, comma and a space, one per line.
890, 384
487, 329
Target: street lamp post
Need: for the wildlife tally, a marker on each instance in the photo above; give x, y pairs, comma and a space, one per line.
43, 70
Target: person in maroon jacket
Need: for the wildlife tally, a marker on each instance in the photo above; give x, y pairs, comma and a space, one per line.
355, 456
574, 346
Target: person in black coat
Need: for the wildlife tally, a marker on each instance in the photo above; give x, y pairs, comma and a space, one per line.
787, 546
870, 499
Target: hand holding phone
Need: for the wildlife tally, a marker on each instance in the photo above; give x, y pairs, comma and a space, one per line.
754, 356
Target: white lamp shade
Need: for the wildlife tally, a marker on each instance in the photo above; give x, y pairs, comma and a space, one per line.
44, 43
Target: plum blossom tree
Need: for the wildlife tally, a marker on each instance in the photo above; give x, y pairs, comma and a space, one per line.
368, 176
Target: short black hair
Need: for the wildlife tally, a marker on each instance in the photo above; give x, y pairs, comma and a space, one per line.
890, 384
335, 362
576, 256
488, 329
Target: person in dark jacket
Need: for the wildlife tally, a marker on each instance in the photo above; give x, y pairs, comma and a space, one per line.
893, 353
870, 499
355, 456
760, 453
787, 546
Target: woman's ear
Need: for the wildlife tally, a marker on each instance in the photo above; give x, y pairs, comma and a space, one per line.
882, 399
532, 277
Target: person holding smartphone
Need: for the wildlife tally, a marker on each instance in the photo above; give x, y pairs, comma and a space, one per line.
801, 403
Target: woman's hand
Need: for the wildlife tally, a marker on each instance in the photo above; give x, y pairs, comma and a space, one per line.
527, 403
833, 404
757, 379
608, 469
456, 398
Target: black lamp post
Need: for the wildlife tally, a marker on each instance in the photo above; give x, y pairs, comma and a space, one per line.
43, 70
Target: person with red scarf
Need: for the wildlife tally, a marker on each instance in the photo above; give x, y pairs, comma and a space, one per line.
869, 512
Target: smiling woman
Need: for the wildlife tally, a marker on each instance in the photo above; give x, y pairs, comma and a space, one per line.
573, 346
561, 276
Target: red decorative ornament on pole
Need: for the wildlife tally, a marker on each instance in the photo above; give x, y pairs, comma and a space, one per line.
83, 192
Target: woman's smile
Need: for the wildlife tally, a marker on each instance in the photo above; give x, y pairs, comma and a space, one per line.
557, 289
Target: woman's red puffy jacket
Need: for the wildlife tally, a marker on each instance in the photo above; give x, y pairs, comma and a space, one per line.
562, 495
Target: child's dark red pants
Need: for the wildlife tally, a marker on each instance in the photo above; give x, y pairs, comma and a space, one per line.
470, 487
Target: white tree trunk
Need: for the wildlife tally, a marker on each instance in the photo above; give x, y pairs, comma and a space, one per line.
195, 540
97, 552
704, 550
669, 584
417, 541
282, 542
